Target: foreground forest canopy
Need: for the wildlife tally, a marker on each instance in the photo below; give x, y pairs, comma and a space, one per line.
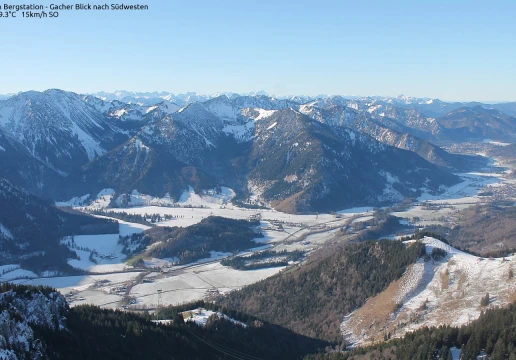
44, 325
88, 332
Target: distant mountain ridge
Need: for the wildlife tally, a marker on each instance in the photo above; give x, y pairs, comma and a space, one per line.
383, 124
431, 107
479, 123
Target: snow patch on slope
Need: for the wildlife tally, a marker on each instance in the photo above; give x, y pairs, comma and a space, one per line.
92, 147
208, 198
101, 201
242, 132
75, 201
272, 126
437, 292
6, 232
262, 114
200, 316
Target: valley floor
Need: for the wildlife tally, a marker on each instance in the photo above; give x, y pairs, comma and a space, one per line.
430, 293
113, 284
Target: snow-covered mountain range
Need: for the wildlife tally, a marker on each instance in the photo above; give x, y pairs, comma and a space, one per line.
68, 144
263, 146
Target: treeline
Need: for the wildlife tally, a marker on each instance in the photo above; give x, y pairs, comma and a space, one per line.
134, 218
247, 205
276, 259
421, 234
195, 242
146, 219
134, 243
79, 223
24, 291
313, 299
55, 259
493, 333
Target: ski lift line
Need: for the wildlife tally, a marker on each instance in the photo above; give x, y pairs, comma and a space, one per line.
250, 357
207, 282
213, 347
232, 350
238, 353
225, 350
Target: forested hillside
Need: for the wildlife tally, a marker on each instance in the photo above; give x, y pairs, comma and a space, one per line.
31, 229
313, 299
195, 242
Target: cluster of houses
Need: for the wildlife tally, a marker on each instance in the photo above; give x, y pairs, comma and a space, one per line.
119, 290
103, 257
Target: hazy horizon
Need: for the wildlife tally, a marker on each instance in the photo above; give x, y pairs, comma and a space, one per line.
260, 91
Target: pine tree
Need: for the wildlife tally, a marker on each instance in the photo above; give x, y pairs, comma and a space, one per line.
485, 300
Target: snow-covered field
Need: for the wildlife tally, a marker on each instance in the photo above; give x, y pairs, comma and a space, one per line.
444, 292
194, 283
191, 207
472, 183
108, 253
83, 287
17, 274
191, 216
432, 209
310, 242
362, 219
108, 257
127, 228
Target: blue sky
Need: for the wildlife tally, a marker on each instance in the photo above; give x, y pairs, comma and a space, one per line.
453, 50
